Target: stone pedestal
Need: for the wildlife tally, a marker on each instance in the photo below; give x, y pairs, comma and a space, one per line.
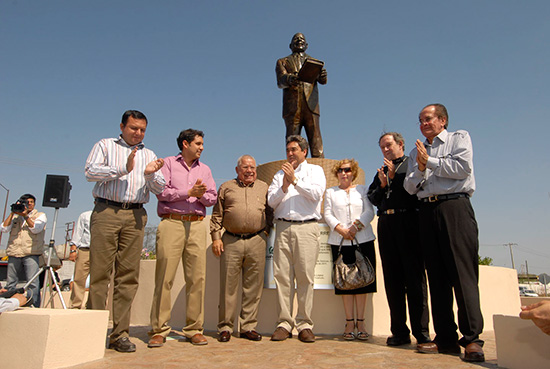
520, 344
52, 338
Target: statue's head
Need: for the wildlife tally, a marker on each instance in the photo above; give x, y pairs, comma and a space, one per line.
298, 43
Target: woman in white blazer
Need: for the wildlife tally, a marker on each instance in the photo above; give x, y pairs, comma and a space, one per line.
348, 213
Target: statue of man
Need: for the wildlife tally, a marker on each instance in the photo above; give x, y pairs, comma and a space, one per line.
300, 98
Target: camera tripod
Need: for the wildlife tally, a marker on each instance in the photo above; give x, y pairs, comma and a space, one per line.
49, 278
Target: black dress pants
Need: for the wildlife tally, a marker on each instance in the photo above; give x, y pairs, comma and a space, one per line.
404, 275
449, 236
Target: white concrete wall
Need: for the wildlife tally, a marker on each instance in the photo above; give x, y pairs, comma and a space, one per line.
498, 286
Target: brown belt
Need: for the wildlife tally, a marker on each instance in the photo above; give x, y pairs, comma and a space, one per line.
186, 217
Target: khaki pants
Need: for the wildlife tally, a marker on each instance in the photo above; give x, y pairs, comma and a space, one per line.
116, 239
294, 258
246, 258
186, 241
81, 272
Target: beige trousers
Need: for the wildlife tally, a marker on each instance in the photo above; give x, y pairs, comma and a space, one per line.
116, 240
294, 258
81, 272
244, 258
186, 241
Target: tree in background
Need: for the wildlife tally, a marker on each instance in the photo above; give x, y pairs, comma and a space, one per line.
484, 261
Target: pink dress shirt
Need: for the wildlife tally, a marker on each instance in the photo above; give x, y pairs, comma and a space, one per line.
179, 179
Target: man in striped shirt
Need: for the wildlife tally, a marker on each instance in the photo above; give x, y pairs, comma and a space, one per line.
124, 172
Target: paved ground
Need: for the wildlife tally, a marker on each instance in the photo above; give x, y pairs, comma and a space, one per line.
327, 352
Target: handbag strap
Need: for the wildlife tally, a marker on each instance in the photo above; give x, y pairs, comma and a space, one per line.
357, 245
352, 244
340, 248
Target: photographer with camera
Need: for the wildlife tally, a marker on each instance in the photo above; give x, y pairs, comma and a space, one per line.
26, 242
11, 300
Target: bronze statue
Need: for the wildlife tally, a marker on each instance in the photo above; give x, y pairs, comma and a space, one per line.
297, 75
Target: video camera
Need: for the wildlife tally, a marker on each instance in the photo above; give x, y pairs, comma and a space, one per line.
19, 206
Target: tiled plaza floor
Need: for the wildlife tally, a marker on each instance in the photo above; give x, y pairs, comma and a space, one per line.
327, 352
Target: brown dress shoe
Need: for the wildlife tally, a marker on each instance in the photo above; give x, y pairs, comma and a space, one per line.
251, 335
280, 334
198, 339
225, 336
434, 348
473, 353
156, 341
306, 335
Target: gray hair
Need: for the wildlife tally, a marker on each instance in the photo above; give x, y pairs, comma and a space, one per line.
299, 140
242, 157
397, 137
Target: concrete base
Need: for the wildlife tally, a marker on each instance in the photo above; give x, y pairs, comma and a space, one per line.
52, 338
520, 344
498, 293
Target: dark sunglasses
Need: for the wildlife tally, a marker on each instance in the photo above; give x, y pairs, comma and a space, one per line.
344, 170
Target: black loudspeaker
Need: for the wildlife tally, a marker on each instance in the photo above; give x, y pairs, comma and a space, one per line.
56, 191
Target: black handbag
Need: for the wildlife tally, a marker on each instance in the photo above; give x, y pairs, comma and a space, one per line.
352, 276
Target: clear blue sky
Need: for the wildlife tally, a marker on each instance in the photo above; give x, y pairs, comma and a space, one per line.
69, 69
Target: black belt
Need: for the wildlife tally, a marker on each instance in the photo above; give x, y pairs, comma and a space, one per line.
244, 236
450, 196
298, 221
392, 211
122, 205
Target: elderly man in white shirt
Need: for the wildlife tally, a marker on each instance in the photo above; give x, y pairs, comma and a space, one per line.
295, 195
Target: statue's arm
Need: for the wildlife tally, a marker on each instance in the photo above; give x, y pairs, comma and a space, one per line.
284, 78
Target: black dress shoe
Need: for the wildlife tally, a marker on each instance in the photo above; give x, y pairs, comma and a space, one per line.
398, 340
251, 335
423, 339
473, 353
225, 336
123, 344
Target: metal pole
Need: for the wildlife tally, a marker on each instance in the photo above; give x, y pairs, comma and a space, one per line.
527, 270
5, 207
511, 253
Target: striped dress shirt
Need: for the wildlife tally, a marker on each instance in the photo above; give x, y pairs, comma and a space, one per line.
106, 165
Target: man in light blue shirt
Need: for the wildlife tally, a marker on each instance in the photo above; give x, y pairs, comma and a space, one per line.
441, 174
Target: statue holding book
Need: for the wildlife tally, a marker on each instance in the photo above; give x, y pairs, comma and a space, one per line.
298, 75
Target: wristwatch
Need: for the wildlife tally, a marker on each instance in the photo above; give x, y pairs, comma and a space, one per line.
295, 182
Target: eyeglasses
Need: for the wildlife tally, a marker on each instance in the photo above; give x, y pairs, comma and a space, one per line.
344, 170
426, 120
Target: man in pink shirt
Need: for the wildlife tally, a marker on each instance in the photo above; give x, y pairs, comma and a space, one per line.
181, 234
